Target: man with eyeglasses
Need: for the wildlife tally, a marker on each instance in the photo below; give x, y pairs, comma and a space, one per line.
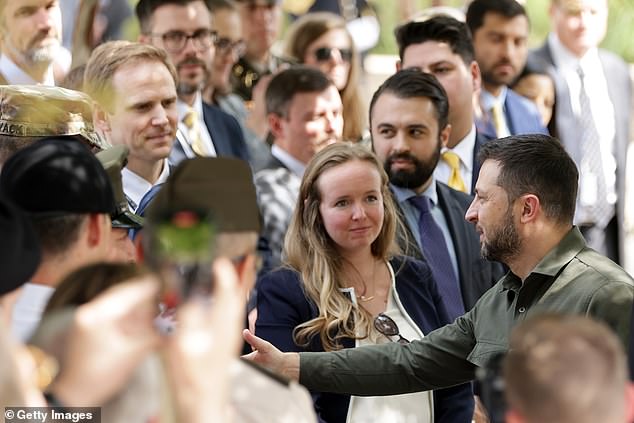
230, 47
183, 29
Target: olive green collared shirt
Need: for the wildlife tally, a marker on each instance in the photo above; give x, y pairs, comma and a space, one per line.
572, 278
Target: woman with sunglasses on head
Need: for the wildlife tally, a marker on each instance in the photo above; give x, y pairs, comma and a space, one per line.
321, 40
344, 286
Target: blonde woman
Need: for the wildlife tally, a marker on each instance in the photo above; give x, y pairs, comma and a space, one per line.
344, 286
321, 40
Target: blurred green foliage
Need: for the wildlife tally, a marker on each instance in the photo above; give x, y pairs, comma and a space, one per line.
618, 39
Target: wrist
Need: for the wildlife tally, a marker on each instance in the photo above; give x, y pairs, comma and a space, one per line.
292, 366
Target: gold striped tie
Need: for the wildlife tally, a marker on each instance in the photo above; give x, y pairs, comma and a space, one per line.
193, 132
455, 179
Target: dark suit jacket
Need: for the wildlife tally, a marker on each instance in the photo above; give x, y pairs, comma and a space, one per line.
282, 305
225, 132
620, 91
521, 116
476, 274
480, 139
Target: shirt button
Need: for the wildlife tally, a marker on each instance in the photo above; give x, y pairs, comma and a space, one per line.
522, 309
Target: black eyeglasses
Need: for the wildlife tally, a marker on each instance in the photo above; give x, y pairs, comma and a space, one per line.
324, 54
388, 327
225, 45
175, 41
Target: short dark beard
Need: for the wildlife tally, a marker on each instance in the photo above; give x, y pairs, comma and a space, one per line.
490, 78
503, 244
186, 88
423, 170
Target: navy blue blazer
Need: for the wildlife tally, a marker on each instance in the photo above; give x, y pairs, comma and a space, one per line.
282, 305
225, 132
522, 117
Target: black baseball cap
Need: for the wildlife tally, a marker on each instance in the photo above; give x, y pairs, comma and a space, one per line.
57, 176
19, 250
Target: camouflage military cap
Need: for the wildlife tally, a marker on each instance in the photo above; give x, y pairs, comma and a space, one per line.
41, 111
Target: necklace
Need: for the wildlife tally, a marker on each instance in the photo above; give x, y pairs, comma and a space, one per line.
363, 298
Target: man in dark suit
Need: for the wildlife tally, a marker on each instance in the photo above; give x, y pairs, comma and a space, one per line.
500, 34
592, 114
133, 87
442, 46
408, 123
203, 130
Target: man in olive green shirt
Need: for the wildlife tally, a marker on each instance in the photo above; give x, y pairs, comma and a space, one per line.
523, 209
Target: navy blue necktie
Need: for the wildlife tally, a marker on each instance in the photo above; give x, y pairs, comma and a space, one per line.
437, 256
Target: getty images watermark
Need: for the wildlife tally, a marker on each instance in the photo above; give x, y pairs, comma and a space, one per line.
52, 414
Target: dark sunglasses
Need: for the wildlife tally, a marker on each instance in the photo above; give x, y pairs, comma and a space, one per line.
324, 54
388, 327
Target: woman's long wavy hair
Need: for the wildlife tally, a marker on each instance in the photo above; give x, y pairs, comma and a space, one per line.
310, 251
301, 34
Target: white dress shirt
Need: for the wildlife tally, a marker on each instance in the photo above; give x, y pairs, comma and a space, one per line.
15, 75
135, 187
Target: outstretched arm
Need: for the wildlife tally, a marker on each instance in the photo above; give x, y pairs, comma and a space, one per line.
265, 354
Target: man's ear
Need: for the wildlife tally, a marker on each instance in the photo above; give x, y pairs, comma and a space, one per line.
530, 207
276, 126
399, 65
444, 135
97, 229
476, 76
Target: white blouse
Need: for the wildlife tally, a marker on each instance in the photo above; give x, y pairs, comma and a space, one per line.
416, 407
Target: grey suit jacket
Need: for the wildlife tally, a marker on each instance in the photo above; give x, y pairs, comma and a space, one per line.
476, 274
619, 89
